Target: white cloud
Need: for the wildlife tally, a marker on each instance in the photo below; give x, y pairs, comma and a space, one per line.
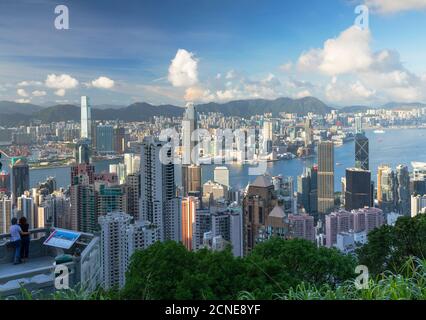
39, 93
183, 70
197, 94
29, 83
347, 53
393, 6
23, 100
230, 74
60, 92
348, 93
303, 94
63, 81
22, 93
103, 83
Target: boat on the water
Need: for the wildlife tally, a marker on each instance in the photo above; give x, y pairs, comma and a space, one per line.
379, 131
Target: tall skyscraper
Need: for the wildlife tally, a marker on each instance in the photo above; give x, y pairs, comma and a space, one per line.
191, 170
325, 177
358, 189
386, 189
308, 132
104, 138
86, 118
358, 125
119, 140
189, 125
83, 216
403, 190
191, 180
133, 183
259, 201
82, 151
188, 221
119, 240
159, 204
362, 152
20, 177
5, 213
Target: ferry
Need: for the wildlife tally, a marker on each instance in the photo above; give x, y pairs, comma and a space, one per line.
379, 131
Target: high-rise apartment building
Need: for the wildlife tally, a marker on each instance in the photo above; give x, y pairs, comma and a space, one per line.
302, 227
159, 204
119, 240
5, 213
133, 183
325, 177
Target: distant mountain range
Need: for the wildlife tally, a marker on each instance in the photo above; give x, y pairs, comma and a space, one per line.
13, 114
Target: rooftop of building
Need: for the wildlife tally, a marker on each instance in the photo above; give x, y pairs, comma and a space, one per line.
262, 182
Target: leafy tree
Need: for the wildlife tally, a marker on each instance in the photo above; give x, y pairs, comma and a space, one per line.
277, 265
389, 247
168, 271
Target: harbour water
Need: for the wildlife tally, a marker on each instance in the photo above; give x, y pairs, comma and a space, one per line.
393, 147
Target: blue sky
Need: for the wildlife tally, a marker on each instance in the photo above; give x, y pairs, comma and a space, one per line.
119, 52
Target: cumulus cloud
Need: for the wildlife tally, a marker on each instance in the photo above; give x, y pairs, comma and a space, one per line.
39, 93
341, 92
63, 81
198, 94
393, 6
103, 83
349, 52
22, 93
60, 92
183, 70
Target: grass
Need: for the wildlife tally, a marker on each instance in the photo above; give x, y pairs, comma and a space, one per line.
408, 284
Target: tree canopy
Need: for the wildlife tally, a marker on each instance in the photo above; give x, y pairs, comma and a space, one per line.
168, 271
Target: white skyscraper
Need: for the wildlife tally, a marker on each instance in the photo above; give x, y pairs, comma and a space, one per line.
189, 124
159, 204
119, 240
5, 213
86, 118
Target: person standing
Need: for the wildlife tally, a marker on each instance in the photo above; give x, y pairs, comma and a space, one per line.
25, 238
15, 239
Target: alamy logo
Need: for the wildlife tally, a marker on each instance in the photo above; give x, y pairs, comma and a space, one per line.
362, 20
62, 279
361, 281
62, 21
